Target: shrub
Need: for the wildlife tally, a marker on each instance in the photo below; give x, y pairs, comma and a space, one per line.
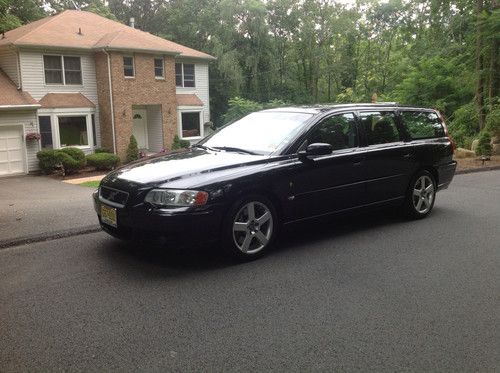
180, 144
493, 121
103, 161
484, 146
132, 150
49, 159
102, 150
73, 159
464, 126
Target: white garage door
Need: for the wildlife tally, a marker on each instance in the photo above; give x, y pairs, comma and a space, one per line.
11, 150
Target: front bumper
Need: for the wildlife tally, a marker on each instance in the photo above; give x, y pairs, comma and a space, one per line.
160, 227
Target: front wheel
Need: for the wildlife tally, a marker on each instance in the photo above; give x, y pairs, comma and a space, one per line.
250, 228
421, 195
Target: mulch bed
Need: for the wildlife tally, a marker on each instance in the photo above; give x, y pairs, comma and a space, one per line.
86, 172
465, 164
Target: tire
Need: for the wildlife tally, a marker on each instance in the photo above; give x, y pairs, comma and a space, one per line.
250, 228
421, 195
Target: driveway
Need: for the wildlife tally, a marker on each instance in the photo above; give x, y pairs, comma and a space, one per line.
39, 205
366, 293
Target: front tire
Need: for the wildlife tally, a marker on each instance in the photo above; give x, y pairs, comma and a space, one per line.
421, 195
250, 228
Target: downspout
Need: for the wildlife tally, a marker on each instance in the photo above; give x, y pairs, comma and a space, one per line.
19, 78
111, 101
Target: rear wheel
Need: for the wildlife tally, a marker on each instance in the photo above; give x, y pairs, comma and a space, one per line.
421, 195
250, 228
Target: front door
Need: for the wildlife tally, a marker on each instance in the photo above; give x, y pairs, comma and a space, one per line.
140, 128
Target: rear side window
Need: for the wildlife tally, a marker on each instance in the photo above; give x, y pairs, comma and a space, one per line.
422, 125
379, 127
339, 131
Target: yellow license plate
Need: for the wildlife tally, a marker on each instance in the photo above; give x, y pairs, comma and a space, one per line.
108, 215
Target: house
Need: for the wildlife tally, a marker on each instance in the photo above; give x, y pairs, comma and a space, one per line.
79, 79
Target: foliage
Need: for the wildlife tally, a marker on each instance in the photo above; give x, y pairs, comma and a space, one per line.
73, 159
103, 161
484, 145
91, 184
49, 159
493, 120
463, 126
180, 144
102, 150
132, 150
240, 107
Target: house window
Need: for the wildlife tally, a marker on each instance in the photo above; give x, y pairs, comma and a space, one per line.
94, 133
184, 75
45, 131
190, 124
128, 66
159, 68
53, 69
72, 70
73, 131
57, 72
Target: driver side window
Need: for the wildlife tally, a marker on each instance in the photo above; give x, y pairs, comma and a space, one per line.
338, 130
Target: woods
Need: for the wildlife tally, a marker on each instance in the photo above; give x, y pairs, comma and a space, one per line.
435, 53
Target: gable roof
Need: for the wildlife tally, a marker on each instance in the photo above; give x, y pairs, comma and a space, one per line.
13, 98
78, 29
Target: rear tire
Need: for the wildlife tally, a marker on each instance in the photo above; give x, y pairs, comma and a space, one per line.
250, 228
421, 195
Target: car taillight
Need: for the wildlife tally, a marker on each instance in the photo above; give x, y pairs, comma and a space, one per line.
447, 134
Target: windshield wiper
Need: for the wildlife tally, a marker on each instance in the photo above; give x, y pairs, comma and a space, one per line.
202, 147
233, 149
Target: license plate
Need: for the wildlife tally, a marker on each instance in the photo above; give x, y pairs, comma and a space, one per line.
108, 215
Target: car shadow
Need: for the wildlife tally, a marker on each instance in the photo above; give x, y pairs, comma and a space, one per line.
175, 261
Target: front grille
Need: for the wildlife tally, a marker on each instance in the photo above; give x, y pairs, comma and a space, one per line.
112, 196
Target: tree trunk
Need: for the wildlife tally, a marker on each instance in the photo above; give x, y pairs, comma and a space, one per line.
479, 97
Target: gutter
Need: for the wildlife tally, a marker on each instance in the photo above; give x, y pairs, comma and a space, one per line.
20, 107
111, 101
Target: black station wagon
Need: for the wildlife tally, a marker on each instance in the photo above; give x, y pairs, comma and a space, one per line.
242, 183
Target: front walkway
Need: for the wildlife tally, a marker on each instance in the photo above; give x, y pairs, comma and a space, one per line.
39, 205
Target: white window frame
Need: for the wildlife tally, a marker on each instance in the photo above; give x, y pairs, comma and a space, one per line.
188, 109
133, 66
54, 123
182, 74
162, 77
61, 57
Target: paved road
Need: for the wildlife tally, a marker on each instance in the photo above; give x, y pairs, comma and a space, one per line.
371, 292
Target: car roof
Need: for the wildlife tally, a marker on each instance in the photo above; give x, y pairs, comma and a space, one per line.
321, 108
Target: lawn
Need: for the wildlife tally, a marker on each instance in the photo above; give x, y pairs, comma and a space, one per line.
91, 184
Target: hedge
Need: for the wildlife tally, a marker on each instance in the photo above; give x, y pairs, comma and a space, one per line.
103, 161
69, 159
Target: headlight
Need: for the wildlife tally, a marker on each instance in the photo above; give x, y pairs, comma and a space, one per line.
176, 198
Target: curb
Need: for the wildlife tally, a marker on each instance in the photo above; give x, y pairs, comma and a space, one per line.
473, 170
49, 236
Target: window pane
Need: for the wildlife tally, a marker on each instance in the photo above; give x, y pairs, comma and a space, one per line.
53, 69
128, 66
178, 74
379, 127
73, 131
191, 124
422, 125
45, 132
339, 131
158, 67
189, 75
94, 135
72, 70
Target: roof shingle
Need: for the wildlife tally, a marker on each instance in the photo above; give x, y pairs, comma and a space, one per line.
85, 30
11, 96
188, 100
65, 100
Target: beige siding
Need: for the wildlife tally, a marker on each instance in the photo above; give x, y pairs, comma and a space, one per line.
8, 63
33, 77
30, 122
155, 128
201, 89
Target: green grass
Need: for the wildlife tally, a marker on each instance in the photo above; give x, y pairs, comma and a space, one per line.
91, 184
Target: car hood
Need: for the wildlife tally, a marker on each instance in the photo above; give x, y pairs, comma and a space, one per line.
181, 165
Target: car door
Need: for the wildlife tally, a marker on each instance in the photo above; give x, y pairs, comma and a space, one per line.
389, 160
333, 182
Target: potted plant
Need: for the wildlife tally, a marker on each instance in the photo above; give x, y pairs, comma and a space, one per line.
33, 136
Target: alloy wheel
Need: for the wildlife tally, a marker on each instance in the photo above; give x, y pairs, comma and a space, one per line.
252, 227
423, 194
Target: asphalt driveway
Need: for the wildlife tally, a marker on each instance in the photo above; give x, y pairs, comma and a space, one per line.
365, 293
38, 205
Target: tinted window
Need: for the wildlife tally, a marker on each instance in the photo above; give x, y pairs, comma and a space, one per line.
379, 127
128, 66
422, 125
178, 74
72, 70
53, 69
45, 131
190, 124
159, 67
188, 75
339, 131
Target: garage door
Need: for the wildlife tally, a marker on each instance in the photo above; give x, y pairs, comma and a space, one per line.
11, 150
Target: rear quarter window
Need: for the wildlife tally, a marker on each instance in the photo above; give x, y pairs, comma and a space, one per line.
422, 124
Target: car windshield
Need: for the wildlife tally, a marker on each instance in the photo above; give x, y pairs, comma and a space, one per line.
260, 133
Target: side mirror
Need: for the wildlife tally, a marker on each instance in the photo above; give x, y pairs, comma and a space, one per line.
315, 149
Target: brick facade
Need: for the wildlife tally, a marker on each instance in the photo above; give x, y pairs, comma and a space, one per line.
142, 89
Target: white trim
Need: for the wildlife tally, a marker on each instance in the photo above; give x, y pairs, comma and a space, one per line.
133, 66
24, 149
19, 107
189, 109
54, 115
162, 77
144, 116
182, 75
61, 57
